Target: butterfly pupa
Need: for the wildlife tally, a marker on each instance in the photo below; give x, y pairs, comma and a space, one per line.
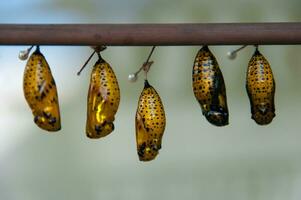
103, 100
150, 123
260, 87
209, 87
40, 92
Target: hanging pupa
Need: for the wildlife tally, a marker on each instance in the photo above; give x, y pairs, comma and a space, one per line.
209, 87
40, 92
260, 87
103, 100
150, 123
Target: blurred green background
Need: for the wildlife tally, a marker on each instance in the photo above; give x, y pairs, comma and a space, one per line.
197, 160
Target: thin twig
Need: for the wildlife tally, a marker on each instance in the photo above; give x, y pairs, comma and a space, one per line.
81, 69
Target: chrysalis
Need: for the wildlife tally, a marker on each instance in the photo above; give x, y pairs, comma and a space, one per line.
150, 123
260, 86
103, 100
41, 93
209, 88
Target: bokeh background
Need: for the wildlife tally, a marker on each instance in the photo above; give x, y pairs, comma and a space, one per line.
242, 161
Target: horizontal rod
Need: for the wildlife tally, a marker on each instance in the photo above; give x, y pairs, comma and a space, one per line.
151, 34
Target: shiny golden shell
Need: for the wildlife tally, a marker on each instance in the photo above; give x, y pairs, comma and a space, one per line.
209, 88
150, 123
40, 92
260, 86
103, 100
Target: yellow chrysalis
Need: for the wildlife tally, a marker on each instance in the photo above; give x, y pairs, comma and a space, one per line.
260, 87
40, 92
209, 88
103, 100
150, 123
